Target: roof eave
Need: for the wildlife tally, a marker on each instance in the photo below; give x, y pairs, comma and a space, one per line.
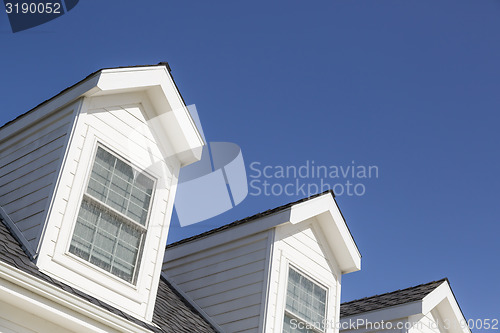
171, 112
323, 207
54, 304
156, 81
384, 314
443, 299
336, 232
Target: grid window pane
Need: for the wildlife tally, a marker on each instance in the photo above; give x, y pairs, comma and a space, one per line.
305, 300
119, 185
105, 241
292, 325
103, 237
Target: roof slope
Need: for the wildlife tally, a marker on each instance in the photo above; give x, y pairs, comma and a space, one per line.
86, 78
247, 219
172, 312
386, 300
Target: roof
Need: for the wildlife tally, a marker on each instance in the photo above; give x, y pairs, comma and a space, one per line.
247, 219
172, 312
88, 77
390, 299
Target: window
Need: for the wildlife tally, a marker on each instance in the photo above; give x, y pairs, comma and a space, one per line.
305, 309
112, 221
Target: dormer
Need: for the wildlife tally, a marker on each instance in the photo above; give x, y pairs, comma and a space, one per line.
429, 307
270, 271
88, 179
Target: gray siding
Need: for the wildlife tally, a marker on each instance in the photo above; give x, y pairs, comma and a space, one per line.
226, 281
30, 161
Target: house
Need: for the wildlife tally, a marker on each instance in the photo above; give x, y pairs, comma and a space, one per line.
87, 185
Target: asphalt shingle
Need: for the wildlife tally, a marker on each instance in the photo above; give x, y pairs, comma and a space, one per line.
386, 300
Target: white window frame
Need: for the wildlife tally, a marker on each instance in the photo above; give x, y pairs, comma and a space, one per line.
290, 266
122, 217
54, 259
78, 268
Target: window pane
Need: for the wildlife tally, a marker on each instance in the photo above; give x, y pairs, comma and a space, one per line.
305, 299
109, 240
293, 325
119, 185
106, 241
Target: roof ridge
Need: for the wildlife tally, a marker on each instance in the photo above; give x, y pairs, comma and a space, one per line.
248, 219
396, 291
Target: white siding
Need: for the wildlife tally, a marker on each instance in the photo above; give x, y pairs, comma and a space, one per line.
226, 281
29, 164
299, 246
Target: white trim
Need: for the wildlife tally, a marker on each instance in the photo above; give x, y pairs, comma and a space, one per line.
444, 301
59, 306
337, 234
155, 81
285, 264
267, 281
53, 260
315, 281
79, 105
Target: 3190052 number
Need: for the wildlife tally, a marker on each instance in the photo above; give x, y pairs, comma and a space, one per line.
33, 8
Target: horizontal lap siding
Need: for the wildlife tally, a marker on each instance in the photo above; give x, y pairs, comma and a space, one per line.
226, 281
29, 164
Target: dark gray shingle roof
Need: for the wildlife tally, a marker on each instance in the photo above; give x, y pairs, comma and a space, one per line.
386, 300
248, 219
172, 312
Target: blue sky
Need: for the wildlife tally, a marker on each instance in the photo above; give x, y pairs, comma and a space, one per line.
408, 86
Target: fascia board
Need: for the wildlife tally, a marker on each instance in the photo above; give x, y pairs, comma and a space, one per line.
231, 234
444, 301
155, 81
336, 232
57, 305
172, 113
387, 314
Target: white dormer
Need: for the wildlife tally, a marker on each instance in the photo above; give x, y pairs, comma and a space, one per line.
89, 179
427, 308
270, 271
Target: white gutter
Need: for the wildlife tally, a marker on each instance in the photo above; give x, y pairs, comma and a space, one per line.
58, 306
